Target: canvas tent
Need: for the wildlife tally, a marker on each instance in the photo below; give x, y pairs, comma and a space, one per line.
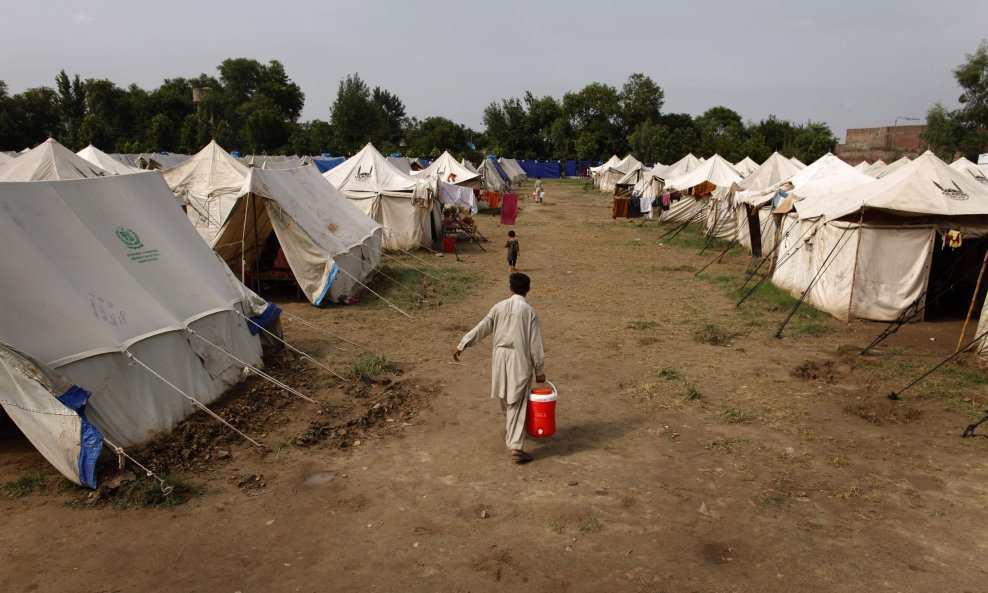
824, 177
745, 166
681, 167
979, 173
390, 197
868, 252
515, 173
892, 167
331, 246
49, 161
401, 163
111, 165
469, 166
456, 196
607, 177
876, 168
710, 179
798, 163
209, 183
124, 278
448, 169
492, 177
863, 166
5, 158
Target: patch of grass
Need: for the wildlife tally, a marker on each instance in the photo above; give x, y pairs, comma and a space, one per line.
679, 268
729, 445
22, 486
369, 367
591, 525
427, 286
669, 374
691, 392
713, 334
641, 324
735, 416
769, 501
148, 492
839, 461
557, 526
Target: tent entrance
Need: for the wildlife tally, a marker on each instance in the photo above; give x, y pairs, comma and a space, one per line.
953, 276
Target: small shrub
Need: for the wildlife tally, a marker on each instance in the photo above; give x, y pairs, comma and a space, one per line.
148, 492
22, 486
669, 374
641, 324
591, 525
734, 416
369, 366
713, 334
691, 393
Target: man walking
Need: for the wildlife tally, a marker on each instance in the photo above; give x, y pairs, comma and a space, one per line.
518, 354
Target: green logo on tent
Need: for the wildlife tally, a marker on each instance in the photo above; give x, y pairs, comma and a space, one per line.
129, 238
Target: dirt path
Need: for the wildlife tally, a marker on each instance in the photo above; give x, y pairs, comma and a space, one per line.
746, 464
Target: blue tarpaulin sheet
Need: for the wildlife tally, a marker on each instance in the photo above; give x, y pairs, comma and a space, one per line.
326, 164
543, 169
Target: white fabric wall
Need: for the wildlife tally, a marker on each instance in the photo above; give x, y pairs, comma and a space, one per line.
893, 270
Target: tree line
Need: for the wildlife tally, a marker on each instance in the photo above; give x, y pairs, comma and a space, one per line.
255, 108
963, 131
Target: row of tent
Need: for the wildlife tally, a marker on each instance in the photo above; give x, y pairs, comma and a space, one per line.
855, 242
126, 290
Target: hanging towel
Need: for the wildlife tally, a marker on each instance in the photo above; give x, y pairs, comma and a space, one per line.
509, 208
493, 199
620, 208
952, 239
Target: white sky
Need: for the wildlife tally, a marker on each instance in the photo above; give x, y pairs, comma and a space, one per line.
847, 63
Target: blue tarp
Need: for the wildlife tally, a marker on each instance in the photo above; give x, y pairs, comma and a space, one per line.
543, 169
269, 314
500, 170
326, 164
91, 441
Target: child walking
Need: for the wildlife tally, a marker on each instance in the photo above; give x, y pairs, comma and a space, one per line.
513, 249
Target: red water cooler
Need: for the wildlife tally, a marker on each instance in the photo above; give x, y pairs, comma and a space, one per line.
540, 419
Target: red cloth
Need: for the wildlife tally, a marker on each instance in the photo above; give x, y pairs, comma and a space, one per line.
493, 199
280, 261
509, 208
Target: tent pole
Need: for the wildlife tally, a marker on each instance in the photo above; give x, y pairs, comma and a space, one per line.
257, 252
974, 300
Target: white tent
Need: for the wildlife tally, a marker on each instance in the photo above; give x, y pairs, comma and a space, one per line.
515, 173
209, 183
745, 166
607, 177
107, 285
892, 167
775, 169
863, 166
614, 160
469, 166
491, 177
263, 161
387, 195
448, 169
867, 252
798, 163
978, 172
824, 177
49, 161
681, 167
876, 168
331, 246
106, 162
401, 163
710, 180
5, 158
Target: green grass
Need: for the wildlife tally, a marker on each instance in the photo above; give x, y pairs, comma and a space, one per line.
370, 366
148, 492
22, 486
411, 289
669, 374
641, 324
690, 238
735, 416
713, 334
591, 525
691, 392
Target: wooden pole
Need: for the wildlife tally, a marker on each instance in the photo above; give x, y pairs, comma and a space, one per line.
974, 300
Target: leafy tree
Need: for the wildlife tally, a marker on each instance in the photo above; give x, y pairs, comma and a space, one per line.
973, 78
355, 118
594, 112
71, 107
812, 141
433, 135
722, 132
393, 113
641, 102
947, 134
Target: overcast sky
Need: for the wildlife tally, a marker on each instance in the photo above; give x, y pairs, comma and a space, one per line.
847, 63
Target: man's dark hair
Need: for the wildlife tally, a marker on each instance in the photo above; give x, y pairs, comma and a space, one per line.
520, 283
511, 233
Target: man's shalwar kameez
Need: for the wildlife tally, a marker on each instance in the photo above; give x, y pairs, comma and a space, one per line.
518, 356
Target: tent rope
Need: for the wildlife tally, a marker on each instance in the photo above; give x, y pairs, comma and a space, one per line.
325, 331
195, 403
293, 348
248, 368
396, 282
401, 262
122, 455
369, 289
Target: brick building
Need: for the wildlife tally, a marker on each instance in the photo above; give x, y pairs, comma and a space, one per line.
888, 143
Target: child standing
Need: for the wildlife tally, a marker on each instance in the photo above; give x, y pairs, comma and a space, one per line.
513, 249
539, 190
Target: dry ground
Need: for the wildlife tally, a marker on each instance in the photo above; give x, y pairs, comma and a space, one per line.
694, 451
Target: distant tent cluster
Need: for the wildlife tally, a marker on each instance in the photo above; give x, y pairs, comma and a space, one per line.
877, 241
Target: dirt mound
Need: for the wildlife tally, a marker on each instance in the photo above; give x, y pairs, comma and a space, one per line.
883, 413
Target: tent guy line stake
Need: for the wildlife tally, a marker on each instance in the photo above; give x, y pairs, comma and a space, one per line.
325, 331
121, 455
293, 348
831, 258
195, 403
978, 338
254, 369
